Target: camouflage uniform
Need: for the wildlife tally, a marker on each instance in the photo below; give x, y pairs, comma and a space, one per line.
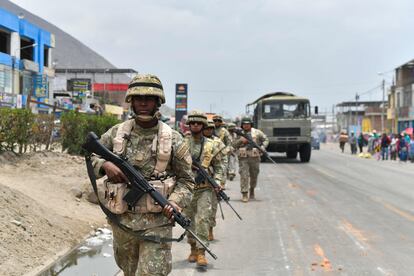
219, 145
249, 160
224, 135
135, 254
231, 167
200, 209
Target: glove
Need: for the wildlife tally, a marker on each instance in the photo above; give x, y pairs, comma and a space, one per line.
262, 148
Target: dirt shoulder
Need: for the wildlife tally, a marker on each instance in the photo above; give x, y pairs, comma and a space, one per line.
40, 216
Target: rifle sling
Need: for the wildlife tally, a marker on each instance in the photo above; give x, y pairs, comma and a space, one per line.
114, 218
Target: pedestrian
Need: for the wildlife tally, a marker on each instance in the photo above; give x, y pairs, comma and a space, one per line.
361, 142
385, 142
393, 147
411, 150
353, 143
249, 157
159, 153
231, 171
208, 132
204, 151
222, 133
343, 139
402, 147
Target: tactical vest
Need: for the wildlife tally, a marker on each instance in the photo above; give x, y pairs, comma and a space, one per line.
163, 139
163, 184
245, 152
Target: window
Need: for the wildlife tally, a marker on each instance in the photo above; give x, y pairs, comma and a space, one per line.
280, 110
26, 49
46, 57
4, 42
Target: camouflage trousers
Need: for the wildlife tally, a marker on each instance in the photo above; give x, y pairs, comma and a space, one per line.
214, 206
231, 168
249, 171
199, 211
225, 163
137, 257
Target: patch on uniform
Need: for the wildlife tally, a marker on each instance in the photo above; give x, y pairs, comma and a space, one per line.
182, 151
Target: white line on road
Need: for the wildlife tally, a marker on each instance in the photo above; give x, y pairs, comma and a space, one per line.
282, 246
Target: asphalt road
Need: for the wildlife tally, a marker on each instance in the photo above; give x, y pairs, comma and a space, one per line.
337, 215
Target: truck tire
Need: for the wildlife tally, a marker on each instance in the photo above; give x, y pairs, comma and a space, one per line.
305, 153
292, 154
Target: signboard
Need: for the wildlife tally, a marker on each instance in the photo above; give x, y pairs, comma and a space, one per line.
40, 84
181, 92
7, 100
79, 88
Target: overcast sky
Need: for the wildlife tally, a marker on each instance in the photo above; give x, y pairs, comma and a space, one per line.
231, 52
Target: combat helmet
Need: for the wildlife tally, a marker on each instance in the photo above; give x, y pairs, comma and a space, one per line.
246, 120
218, 117
231, 126
197, 116
210, 124
145, 85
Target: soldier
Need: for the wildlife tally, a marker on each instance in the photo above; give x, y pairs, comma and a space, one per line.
203, 150
159, 153
249, 157
222, 133
219, 145
231, 167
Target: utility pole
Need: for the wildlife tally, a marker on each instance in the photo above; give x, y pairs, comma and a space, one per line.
356, 111
383, 106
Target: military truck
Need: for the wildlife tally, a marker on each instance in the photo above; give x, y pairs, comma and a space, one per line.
286, 120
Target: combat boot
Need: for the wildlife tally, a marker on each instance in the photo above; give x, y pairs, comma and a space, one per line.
193, 255
245, 198
251, 193
210, 234
201, 258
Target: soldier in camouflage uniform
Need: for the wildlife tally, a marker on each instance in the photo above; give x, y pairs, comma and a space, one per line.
231, 167
222, 133
249, 157
219, 145
204, 151
159, 153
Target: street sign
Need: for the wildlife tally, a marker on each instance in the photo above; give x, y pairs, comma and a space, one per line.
181, 93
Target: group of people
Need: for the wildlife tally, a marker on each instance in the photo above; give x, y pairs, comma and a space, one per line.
143, 233
382, 147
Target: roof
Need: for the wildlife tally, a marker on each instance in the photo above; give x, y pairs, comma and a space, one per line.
354, 103
96, 70
278, 96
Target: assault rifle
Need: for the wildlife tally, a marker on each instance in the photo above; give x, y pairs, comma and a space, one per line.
239, 132
205, 175
139, 185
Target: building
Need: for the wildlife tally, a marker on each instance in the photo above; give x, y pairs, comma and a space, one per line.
80, 72
25, 61
360, 116
401, 100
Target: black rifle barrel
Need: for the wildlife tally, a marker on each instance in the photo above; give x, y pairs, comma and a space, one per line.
138, 182
214, 184
239, 132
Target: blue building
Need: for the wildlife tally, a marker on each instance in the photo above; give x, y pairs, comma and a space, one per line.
25, 61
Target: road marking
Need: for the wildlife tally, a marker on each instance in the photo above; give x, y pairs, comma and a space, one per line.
398, 211
323, 172
326, 264
354, 234
282, 247
385, 272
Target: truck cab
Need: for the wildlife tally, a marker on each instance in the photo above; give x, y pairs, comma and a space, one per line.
286, 120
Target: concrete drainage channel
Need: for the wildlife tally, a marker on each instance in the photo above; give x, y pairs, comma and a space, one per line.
92, 257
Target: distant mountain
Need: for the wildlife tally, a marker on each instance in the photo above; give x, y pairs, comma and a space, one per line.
69, 52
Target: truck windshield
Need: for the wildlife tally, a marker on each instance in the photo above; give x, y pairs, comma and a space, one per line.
277, 110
